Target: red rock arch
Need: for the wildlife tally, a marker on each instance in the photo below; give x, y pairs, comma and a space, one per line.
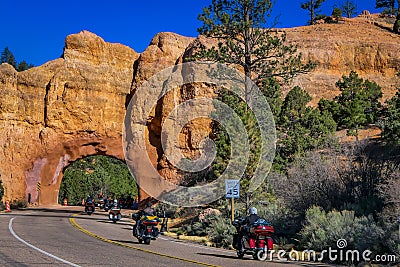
74, 107
48, 170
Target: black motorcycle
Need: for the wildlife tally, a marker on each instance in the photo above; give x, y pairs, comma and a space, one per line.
89, 207
147, 229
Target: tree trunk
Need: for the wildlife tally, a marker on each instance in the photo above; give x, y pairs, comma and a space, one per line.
247, 57
312, 12
247, 201
357, 133
392, 8
396, 26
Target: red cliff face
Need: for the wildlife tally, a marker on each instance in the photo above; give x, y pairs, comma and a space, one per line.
63, 110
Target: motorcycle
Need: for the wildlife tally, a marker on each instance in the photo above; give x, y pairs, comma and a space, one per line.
89, 207
107, 205
115, 214
147, 228
101, 203
253, 240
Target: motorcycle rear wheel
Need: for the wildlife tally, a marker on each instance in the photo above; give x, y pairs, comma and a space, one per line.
147, 241
240, 254
261, 255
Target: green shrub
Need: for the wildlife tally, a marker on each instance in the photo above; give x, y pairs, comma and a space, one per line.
94, 174
279, 216
323, 230
221, 231
18, 204
201, 222
216, 226
179, 232
197, 229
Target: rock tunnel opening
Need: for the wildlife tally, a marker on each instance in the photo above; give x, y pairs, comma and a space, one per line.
96, 175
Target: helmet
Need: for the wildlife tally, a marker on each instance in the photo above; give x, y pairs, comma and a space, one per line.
253, 210
115, 201
148, 205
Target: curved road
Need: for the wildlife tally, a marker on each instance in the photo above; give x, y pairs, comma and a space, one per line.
69, 238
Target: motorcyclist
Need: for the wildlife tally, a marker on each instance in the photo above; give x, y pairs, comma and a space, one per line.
115, 211
89, 203
100, 199
115, 204
252, 217
249, 221
148, 210
108, 203
89, 200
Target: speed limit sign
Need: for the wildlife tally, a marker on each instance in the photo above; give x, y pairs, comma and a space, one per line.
232, 188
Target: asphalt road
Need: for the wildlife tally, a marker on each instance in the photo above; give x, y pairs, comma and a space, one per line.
71, 238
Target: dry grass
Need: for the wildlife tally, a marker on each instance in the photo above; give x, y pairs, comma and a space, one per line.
197, 239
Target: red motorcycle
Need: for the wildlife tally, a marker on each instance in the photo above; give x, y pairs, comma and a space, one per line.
254, 240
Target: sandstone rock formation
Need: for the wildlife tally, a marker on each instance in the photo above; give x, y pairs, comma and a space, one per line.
61, 111
74, 106
339, 48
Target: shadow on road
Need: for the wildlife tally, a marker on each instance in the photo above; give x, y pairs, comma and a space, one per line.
108, 221
126, 241
60, 213
220, 255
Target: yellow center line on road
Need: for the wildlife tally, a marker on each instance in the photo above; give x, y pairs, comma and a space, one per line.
80, 228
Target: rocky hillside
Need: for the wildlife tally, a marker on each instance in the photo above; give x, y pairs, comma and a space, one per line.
357, 44
74, 106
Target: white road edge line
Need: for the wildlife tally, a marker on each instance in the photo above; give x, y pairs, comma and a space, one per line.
36, 248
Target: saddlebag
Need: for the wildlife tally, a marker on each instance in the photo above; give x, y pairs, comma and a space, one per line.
236, 241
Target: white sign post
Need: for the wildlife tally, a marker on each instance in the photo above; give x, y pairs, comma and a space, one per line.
232, 191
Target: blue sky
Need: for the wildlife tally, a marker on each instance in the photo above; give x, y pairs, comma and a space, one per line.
35, 30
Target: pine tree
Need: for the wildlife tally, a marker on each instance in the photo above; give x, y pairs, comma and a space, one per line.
301, 128
244, 41
391, 123
357, 105
349, 8
24, 66
396, 26
8, 57
337, 13
294, 106
388, 5
312, 7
